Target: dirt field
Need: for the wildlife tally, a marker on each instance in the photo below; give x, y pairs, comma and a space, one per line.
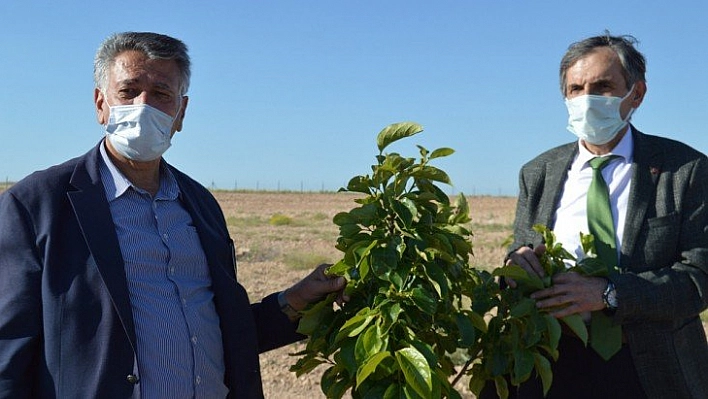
272, 257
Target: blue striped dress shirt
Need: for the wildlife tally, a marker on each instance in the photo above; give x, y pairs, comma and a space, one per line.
179, 345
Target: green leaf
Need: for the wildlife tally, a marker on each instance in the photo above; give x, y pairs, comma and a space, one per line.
410, 393
424, 301
467, 330
478, 321
591, 266
423, 151
499, 360
333, 384
404, 211
511, 271
396, 132
437, 279
359, 184
577, 325
338, 269
425, 350
370, 342
517, 273
362, 249
313, 316
461, 213
390, 312
306, 365
366, 214
554, 331
524, 307
441, 152
346, 358
369, 366
394, 391
349, 230
543, 368
523, 365
431, 173
587, 242
383, 263
356, 324
343, 218
502, 387
427, 186
416, 371
477, 383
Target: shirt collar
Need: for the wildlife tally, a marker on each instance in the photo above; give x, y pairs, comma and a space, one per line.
624, 149
116, 184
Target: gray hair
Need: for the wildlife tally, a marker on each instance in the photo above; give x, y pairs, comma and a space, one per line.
153, 45
633, 63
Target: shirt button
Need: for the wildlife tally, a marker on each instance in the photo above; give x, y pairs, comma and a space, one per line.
132, 378
198, 380
194, 339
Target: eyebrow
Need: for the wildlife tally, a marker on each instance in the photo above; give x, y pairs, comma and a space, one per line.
603, 81
159, 85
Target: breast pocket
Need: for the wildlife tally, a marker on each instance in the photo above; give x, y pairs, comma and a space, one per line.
662, 238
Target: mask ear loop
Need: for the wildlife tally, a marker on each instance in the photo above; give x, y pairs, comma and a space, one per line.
105, 99
631, 110
179, 109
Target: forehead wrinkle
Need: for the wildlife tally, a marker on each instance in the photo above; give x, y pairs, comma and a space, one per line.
156, 81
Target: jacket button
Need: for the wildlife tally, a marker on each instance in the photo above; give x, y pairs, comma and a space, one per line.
132, 378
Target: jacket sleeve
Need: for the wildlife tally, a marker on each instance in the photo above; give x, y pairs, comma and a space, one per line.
274, 328
20, 300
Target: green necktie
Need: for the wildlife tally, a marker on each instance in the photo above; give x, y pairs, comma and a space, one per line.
605, 336
599, 213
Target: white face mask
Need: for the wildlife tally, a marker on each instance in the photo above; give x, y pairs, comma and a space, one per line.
596, 119
139, 132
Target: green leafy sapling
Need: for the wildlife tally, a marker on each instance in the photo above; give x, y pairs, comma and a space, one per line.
522, 338
406, 257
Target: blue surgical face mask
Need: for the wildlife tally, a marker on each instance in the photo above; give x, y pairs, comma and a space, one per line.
139, 132
596, 119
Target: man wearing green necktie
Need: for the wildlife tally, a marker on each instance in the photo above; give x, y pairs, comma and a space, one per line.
644, 199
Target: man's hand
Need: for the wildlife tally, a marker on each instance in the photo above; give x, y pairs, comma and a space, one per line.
313, 288
571, 293
527, 258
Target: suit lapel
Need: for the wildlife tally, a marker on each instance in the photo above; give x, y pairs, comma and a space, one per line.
94, 217
213, 240
646, 168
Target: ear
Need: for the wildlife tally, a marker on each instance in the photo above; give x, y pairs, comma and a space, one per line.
180, 116
102, 109
640, 89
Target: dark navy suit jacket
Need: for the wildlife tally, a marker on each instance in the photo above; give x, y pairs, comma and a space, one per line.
66, 326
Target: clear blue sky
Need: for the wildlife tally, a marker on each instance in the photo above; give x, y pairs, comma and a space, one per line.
291, 94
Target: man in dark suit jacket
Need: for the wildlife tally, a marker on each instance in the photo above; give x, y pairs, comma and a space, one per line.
73, 323
658, 191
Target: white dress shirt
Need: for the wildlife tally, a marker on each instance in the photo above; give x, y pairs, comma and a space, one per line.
571, 215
